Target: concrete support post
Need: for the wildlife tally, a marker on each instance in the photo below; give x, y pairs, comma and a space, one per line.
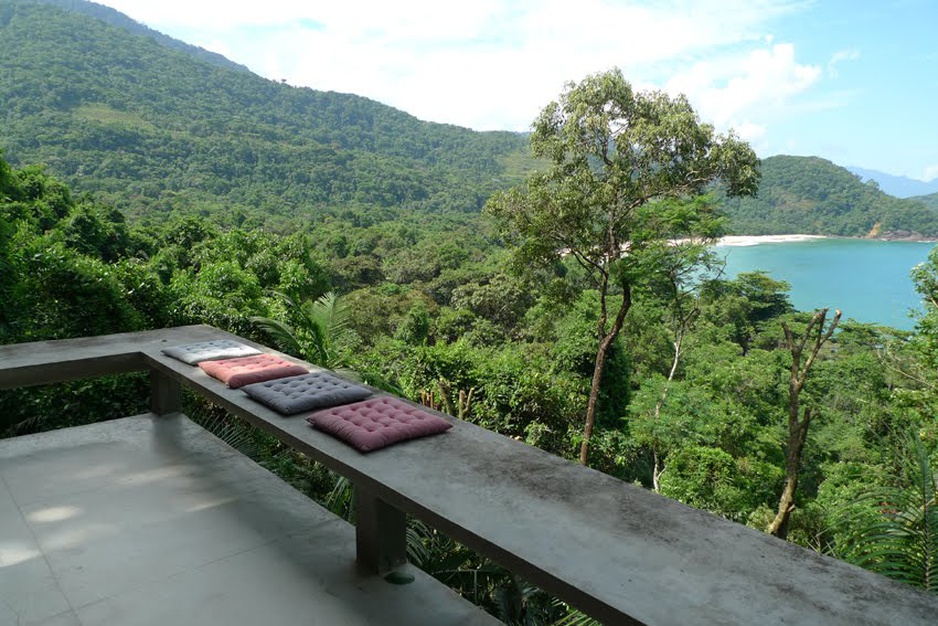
165, 394
380, 534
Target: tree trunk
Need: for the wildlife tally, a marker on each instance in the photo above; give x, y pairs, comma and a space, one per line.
604, 342
658, 470
786, 503
798, 428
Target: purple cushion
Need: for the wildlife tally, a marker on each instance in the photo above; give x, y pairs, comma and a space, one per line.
377, 423
194, 353
315, 390
251, 369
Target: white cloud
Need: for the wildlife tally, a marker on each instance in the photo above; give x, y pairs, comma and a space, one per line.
750, 131
730, 91
494, 63
931, 173
839, 57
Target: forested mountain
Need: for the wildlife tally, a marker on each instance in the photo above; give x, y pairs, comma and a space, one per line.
814, 196
151, 128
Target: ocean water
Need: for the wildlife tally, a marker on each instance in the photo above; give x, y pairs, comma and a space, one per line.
867, 280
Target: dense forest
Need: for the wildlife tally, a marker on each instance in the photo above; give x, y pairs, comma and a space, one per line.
116, 18
167, 189
930, 200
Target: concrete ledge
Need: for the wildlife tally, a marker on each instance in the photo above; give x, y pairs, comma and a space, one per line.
621, 554
47, 362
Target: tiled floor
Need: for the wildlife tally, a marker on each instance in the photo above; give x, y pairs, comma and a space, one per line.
154, 521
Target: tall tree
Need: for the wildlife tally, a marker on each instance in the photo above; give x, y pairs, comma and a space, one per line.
799, 422
621, 165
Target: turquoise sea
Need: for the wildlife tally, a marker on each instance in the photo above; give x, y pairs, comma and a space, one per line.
867, 280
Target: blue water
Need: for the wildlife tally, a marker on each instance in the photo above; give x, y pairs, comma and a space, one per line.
867, 280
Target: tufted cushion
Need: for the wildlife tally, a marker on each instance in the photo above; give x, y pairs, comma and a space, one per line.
315, 390
193, 353
251, 369
377, 423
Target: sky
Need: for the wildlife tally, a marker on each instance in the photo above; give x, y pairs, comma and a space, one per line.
853, 81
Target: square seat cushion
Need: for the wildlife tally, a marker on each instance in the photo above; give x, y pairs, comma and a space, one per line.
315, 390
194, 353
251, 369
377, 422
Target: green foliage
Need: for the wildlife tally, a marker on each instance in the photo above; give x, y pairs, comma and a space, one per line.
38, 409
931, 200
900, 539
69, 295
745, 306
222, 294
317, 331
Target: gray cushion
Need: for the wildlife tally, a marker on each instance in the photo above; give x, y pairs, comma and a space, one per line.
194, 353
315, 390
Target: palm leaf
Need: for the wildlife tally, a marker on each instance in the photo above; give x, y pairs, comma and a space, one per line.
575, 618
282, 335
902, 543
318, 329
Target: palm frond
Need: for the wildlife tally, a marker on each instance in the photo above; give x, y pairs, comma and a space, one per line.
282, 334
902, 542
575, 618
339, 500
315, 331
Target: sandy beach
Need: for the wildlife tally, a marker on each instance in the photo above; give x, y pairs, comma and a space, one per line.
755, 240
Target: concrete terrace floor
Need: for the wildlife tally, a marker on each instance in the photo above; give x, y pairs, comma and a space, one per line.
152, 520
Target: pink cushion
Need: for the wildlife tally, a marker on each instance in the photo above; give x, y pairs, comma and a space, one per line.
251, 369
378, 422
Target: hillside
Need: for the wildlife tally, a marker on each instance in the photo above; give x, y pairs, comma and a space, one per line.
151, 128
931, 200
814, 196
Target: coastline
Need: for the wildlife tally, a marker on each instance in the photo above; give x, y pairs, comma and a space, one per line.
731, 241
755, 240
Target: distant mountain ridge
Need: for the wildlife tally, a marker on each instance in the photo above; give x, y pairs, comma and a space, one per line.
898, 186
813, 196
153, 128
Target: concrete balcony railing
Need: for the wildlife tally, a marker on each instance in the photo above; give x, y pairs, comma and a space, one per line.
620, 554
